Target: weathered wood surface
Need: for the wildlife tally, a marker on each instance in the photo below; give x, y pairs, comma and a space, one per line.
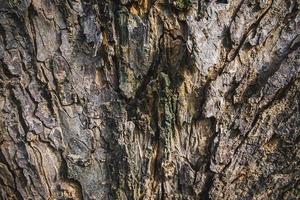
141, 99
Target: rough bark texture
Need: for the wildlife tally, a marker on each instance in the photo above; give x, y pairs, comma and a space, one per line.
149, 99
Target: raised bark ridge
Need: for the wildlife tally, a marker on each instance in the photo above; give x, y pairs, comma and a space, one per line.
149, 99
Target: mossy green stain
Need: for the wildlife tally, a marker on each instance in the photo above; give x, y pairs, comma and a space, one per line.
182, 4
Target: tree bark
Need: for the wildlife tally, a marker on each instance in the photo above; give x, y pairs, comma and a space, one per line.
149, 99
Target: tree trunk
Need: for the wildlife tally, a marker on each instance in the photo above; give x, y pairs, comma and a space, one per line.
149, 99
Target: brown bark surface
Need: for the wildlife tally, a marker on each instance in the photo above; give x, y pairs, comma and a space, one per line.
149, 99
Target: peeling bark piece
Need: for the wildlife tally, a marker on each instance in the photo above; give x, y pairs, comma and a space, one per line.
12, 61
